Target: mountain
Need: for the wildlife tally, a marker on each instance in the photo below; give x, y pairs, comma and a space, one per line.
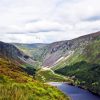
51, 54
83, 65
59, 51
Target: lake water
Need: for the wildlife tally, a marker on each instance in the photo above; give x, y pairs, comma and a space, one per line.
74, 92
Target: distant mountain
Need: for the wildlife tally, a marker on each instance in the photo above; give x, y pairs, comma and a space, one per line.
30, 46
36, 50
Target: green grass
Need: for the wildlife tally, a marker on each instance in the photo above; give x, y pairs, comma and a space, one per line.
49, 76
10, 90
16, 84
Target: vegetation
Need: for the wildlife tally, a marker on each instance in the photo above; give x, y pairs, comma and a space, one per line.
16, 84
10, 90
84, 74
50, 76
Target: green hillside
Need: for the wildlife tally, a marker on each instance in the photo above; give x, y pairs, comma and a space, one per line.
83, 66
50, 76
16, 84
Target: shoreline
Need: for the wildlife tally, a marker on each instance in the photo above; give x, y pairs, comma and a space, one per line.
76, 86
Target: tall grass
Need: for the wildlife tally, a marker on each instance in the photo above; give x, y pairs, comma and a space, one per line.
10, 90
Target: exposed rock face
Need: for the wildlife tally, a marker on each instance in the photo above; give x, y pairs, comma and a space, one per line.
11, 52
65, 48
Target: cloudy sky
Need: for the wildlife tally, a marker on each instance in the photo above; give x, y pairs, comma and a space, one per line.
45, 21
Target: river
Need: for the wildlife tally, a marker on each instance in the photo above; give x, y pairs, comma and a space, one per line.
74, 92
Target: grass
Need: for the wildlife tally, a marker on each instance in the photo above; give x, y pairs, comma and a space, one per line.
16, 84
10, 90
49, 76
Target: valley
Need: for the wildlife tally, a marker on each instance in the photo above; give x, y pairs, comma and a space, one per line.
27, 68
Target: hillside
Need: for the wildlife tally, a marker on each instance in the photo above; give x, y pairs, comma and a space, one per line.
59, 51
10, 51
83, 66
17, 78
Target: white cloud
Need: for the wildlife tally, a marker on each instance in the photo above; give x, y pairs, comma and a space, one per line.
30, 21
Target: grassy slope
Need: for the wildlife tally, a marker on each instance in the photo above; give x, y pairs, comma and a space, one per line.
18, 85
11, 90
84, 67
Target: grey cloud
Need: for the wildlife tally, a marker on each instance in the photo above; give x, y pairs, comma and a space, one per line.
47, 30
32, 21
36, 32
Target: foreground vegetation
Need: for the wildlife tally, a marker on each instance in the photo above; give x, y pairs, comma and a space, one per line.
10, 90
15, 84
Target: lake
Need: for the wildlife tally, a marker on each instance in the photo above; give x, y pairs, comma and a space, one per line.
74, 92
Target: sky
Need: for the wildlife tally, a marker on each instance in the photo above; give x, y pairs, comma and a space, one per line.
46, 21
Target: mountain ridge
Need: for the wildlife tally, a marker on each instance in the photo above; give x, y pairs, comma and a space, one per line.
53, 52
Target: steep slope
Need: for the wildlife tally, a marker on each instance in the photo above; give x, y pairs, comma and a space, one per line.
11, 52
10, 55
59, 51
